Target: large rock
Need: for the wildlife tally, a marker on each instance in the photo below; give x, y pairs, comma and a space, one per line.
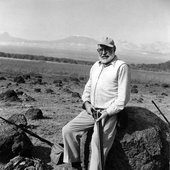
34, 113
18, 119
142, 145
13, 141
9, 95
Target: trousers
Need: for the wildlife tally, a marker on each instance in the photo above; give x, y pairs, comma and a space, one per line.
73, 131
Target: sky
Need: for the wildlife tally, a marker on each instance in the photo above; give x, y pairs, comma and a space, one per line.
137, 21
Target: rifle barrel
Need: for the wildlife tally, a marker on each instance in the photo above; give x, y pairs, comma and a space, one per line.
29, 132
161, 113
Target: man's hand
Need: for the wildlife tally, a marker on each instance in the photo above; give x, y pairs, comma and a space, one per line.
89, 108
104, 114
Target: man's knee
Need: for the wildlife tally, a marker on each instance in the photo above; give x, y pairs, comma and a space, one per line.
66, 130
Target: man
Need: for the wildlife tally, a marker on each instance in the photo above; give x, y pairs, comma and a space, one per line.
107, 90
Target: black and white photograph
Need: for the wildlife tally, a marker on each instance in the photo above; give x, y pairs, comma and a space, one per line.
84, 85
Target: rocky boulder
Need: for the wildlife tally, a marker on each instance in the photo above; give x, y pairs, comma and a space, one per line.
13, 141
48, 90
28, 98
18, 119
134, 89
142, 145
9, 95
34, 113
19, 79
2, 78
76, 95
58, 83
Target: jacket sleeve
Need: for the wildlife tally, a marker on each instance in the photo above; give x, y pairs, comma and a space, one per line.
124, 77
87, 90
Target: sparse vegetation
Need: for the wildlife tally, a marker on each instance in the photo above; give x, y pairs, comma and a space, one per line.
149, 67
44, 58
153, 67
60, 97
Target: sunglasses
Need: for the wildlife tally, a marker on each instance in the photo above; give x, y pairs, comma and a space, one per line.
107, 50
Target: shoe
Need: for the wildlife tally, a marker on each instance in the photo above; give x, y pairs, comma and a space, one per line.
76, 166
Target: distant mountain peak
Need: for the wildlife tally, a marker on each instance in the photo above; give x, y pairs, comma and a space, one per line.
6, 37
78, 38
5, 34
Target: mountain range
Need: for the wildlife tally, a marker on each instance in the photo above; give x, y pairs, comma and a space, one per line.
79, 47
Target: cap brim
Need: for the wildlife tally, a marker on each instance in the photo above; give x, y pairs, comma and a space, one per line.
108, 45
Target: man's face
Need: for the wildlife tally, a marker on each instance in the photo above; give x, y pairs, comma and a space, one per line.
106, 54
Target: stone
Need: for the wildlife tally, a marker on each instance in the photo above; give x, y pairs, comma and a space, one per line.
134, 90
28, 98
19, 79
67, 90
58, 83
49, 91
18, 119
2, 78
142, 145
34, 113
74, 78
38, 90
135, 86
76, 94
27, 76
24, 163
13, 142
19, 92
9, 95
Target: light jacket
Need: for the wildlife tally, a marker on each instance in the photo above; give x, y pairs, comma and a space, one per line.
108, 86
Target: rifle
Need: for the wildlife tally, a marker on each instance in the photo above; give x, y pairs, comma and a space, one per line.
161, 113
56, 149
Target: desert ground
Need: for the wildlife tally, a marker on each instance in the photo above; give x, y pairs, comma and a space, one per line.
57, 88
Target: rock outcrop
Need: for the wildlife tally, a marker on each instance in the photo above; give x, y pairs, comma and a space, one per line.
9, 95
34, 113
142, 145
13, 141
18, 119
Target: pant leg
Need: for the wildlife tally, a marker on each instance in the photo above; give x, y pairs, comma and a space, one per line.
109, 131
72, 133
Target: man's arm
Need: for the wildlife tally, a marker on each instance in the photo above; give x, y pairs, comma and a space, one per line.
86, 97
86, 92
124, 78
